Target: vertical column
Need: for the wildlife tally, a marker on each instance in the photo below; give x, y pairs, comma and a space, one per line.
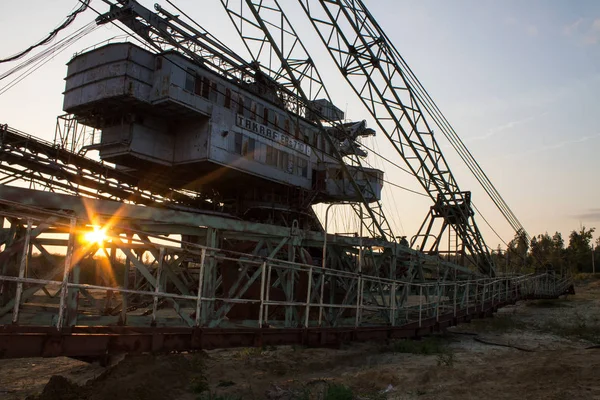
66, 272
110, 278
263, 272
73, 295
483, 295
437, 300
308, 294
289, 283
420, 303
161, 260
455, 296
359, 283
467, 297
210, 277
125, 285
322, 294
22, 267
200, 285
393, 304
267, 296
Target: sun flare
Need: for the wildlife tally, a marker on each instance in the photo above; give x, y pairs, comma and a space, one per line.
96, 236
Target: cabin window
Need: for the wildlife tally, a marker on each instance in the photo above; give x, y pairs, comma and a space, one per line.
284, 159
198, 85
286, 127
240, 104
214, 92
253, 106
290, 164
276, 120
249, 149
271, 158
302, 167
227, 98
205, 87
190, 80
303, 134
237, 146
266, 116
158, 64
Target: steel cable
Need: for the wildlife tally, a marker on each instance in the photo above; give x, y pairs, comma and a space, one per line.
68, 21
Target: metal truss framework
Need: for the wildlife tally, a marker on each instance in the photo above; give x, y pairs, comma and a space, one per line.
57, 167
169, 32
274, 45
367, 59
220, 275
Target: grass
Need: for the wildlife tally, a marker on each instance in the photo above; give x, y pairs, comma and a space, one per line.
548, 303
579, 328
248, 353
500, 323
199, 384
212, 396
338, 392
427, 346
585, 276
446, 359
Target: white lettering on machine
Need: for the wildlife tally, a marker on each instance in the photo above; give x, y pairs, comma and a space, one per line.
278, 137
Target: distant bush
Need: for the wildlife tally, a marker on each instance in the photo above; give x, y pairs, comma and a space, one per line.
338, 392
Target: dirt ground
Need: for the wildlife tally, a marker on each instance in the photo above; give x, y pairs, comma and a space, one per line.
534, 350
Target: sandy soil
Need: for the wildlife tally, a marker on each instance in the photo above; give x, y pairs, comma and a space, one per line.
553, 361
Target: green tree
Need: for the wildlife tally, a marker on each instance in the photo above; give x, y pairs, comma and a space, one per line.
542, 248
499, 257
558, 252
580, 249
517, 252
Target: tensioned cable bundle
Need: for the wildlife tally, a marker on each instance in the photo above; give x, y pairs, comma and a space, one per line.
33, 63
68, 21
444, 125
423, 99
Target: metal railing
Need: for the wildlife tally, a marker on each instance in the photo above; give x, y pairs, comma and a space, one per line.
186, 276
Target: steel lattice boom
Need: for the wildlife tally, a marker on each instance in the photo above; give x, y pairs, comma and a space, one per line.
365, 57
269, 36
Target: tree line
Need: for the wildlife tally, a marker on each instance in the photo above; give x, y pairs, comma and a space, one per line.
579, 255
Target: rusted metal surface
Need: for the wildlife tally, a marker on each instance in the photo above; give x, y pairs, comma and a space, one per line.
214, 289
38, 341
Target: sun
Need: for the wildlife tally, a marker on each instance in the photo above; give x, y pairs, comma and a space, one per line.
95, 236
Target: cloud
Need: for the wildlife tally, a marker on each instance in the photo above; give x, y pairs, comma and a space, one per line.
593, 34
573, 28
591, 215
554, 146
529, 29
532, 30
584, 30
508, 126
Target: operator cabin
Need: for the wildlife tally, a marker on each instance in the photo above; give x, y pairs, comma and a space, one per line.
164, 117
